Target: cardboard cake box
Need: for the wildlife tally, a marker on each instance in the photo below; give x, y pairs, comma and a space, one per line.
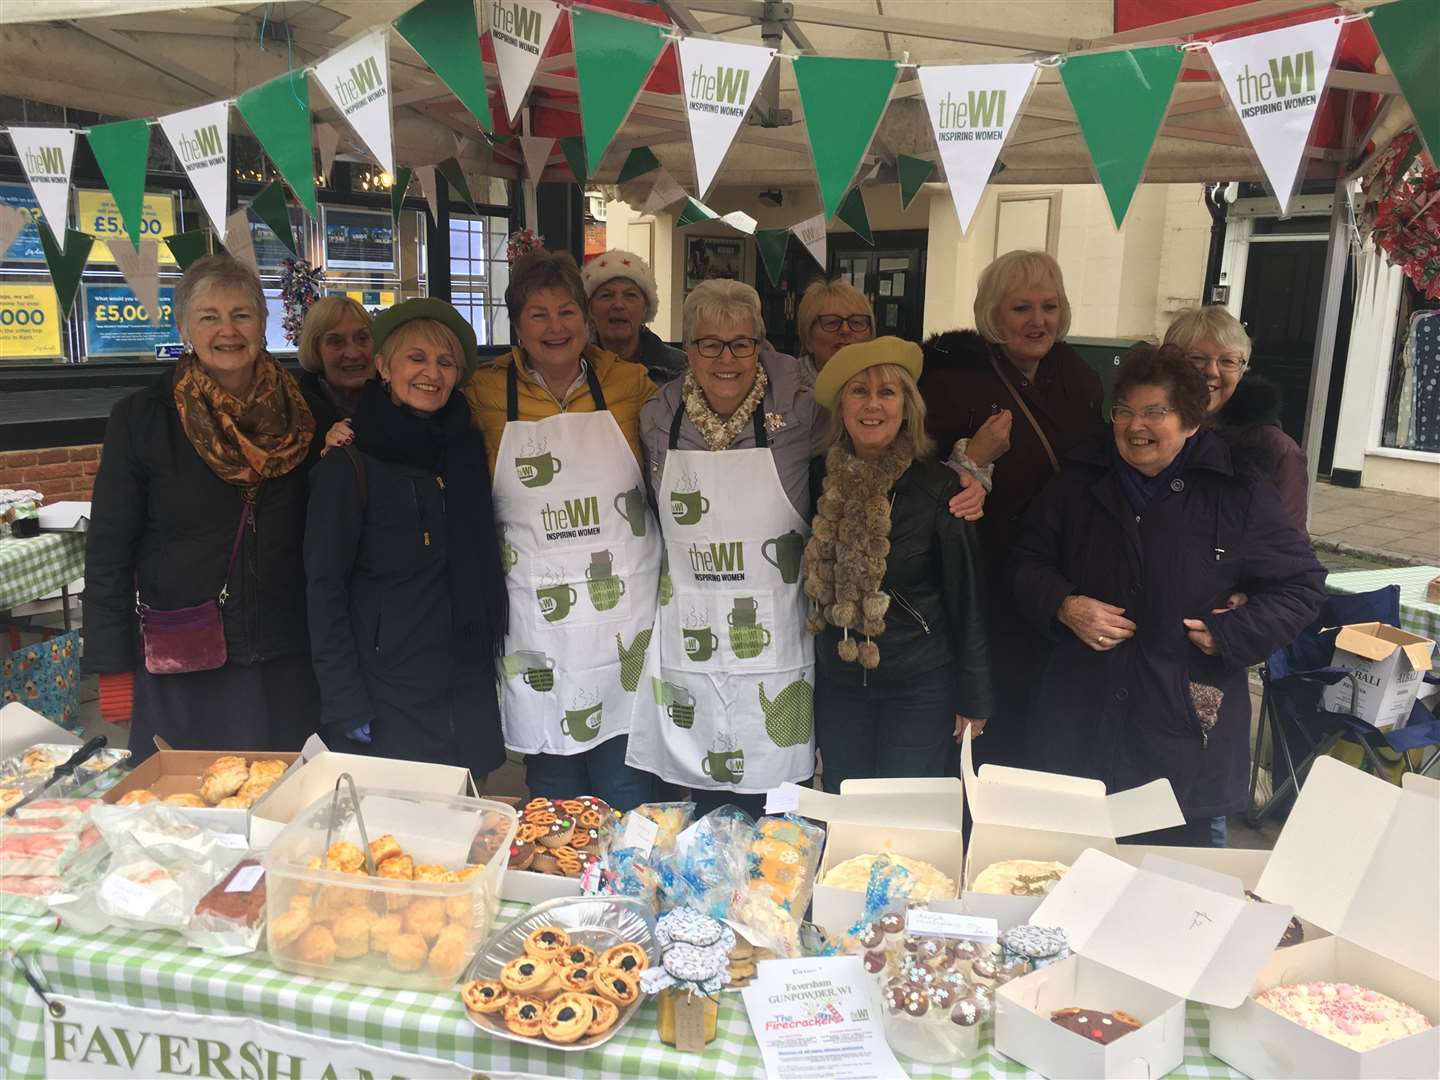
174, 772
918, 817
1360, 858
1024, 814
1388, 666
1144, 939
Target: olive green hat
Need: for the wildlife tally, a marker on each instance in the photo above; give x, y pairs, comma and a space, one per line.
850, 360
427, 307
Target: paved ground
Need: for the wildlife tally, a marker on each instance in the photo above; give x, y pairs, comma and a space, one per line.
1353, 528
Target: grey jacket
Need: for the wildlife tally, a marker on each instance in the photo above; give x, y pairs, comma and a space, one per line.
797, 427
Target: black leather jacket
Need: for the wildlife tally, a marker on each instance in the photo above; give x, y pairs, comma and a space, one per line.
933, 575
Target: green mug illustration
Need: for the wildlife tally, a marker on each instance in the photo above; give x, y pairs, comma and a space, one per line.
537, 469
688, 507
742, 612
747, 638
790, 714
604, 587
679, 703
556, 601
724, 766
788, 550
582, 723
508, 555
537, 669
631, 505
700, 644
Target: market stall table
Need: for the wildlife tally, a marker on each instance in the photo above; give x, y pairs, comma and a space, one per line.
157, 970
36, 566
1418, 615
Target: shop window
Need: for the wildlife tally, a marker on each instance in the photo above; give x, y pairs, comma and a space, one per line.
479, 274
1412, 398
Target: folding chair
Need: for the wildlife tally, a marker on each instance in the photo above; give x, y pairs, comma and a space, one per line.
1299, 726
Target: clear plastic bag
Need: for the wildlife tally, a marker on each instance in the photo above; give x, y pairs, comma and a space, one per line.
709, 869
230, 918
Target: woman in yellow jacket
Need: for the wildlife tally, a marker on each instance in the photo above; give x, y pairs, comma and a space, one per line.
579, 544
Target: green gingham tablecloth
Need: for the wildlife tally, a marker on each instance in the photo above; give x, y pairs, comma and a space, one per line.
38, 565
156, 970
1417, 614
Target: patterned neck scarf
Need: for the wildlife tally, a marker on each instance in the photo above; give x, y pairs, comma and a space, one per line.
719, 432
244, 440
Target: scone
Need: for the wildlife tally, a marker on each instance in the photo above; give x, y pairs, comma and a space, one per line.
138, 797
346, 857
385, 847
425, 916
315, 946
184, 798
267, 772
447, 957
288, 926
383, 931
234, 802
225, 764
351, 930
223, 783
407, 952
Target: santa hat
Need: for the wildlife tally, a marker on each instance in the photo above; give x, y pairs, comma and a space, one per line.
622, 264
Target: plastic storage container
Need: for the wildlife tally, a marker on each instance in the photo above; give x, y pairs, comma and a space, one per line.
382, 930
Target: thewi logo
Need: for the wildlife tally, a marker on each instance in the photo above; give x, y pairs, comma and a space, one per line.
979, 115
518, 24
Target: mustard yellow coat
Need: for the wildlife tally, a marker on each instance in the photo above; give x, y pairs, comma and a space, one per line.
626, 387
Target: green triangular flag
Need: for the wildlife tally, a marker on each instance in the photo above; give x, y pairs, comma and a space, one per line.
613, 58
455, 177
640, 162
694, 212
122, 151
852, 213
843, 102
65, 266
1120, 99
573, 147
771, 243
443, 32
188, 246
270, 207
397, 192
1409, 34
913, 172
278, 113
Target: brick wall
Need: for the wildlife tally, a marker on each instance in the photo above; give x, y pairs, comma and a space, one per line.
65, 472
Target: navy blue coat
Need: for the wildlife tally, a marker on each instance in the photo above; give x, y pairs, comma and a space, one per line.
1125, 716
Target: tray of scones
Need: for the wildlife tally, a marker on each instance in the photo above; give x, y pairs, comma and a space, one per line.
565, 975
383, 888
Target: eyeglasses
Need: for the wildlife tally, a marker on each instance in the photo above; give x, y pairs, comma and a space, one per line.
858, 324
711, 347
1151, 414
1227, 364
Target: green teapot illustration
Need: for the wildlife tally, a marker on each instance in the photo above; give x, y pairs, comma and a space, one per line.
787, 553
789, 716
632, 660
632, 507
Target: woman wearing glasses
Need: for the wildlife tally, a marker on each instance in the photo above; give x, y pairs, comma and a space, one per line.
727, 454
1245, 412
1128, 559
831, 315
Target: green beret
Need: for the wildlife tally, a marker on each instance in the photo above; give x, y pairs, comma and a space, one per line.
850, 360
427, 307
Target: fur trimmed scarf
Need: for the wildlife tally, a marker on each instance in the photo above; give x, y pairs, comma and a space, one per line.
848, 547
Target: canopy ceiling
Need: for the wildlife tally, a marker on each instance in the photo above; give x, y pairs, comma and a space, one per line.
149, 57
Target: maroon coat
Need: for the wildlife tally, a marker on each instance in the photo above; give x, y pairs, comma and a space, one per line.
1250, 423
1125, 716
961, 390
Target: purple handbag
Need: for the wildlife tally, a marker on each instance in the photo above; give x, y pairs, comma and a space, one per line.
193, 638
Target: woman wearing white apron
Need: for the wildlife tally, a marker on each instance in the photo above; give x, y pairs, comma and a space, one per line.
580, 548
727, 457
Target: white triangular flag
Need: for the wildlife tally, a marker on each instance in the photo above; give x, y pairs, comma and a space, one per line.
719, 79
327, 141
47, 154
426, 175
537, 150
738, 219
972, 108
811, 233
519, 30
357, 79
200, 138
238, 240
665, 192
1275, 80
141, 270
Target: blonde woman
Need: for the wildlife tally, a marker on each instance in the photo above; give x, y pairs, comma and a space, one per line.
831, 315
902, 655
338, 356
1245, 412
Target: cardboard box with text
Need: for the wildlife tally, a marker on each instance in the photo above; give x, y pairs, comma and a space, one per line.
1388, 665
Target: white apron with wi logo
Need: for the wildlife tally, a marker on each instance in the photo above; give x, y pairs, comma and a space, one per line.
737, 666
581, 553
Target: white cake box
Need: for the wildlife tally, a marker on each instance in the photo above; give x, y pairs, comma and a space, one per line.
321, 767
1024, 814
533, 888
918, 817
1389, 664
1360, 858
1144, 942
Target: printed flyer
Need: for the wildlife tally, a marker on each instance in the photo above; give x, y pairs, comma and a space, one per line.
820, 1018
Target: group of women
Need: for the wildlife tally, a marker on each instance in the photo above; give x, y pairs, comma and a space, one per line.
869, 548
